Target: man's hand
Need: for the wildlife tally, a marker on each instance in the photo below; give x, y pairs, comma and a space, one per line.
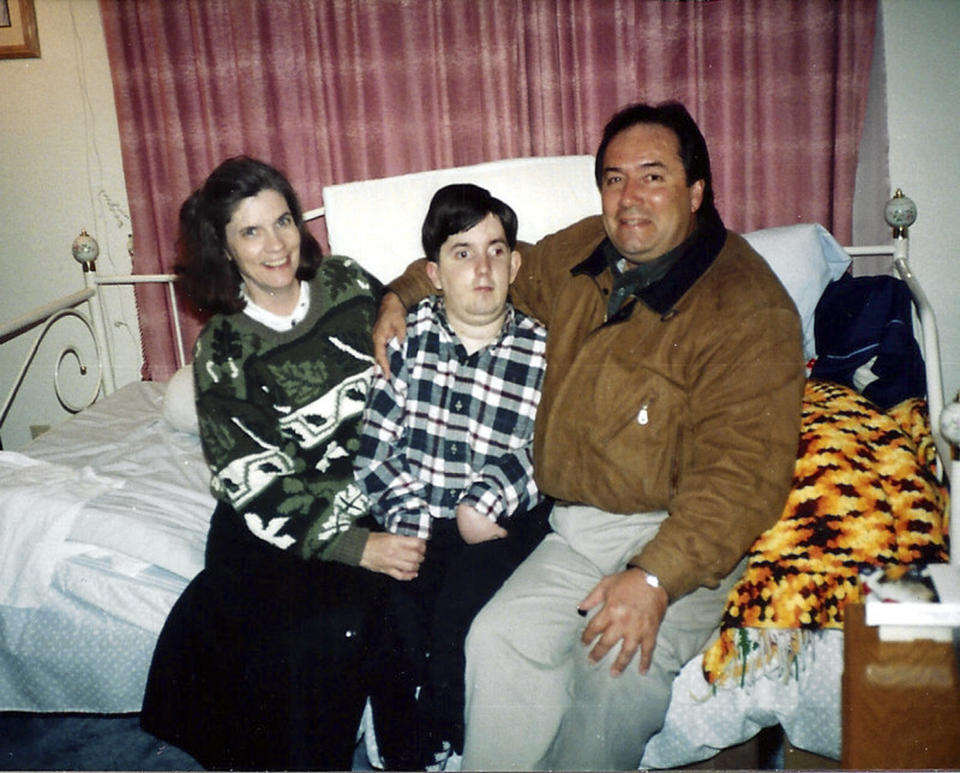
393, 554
391, 322
631, 614
475, 527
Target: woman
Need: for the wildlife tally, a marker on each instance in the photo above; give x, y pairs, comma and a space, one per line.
259, 662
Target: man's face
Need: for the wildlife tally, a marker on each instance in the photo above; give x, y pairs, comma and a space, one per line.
648, 208
474, 270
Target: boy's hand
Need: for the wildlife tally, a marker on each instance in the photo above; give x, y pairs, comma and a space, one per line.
475, 527
393, 554
391, 322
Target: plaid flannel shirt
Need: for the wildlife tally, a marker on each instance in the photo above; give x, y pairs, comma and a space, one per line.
449, 427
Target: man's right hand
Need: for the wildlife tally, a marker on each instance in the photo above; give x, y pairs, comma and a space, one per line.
393, 554
391, 323
630, 613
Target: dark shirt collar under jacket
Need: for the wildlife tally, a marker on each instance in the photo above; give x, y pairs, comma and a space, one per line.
662, 282
630, 278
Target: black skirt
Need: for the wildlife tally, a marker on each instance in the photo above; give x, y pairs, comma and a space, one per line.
261, 663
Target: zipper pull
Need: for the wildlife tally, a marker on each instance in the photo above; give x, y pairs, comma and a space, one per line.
642, 417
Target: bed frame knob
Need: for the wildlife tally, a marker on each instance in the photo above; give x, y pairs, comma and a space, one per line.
85, 249
900, 213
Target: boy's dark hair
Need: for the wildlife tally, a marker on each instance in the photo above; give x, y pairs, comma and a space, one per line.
207, 277
459, 207
673, 116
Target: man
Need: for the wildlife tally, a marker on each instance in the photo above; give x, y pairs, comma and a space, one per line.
446, 456
667, 428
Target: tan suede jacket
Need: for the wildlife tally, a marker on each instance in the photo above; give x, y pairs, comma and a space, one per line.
689, 402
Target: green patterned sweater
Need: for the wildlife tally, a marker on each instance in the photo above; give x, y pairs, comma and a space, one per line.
280, 415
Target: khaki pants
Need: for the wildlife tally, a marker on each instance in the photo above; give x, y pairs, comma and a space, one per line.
533, 699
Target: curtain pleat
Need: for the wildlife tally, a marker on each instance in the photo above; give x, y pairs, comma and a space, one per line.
338, 90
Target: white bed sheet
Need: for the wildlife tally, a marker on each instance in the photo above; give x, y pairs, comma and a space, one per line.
161, 513
802, 696
49, 497
118, 563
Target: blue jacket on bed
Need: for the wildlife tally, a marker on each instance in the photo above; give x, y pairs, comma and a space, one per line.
864, 334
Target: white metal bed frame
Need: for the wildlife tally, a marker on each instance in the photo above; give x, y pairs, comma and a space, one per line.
94, 322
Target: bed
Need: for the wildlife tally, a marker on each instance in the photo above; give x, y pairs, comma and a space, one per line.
105, 516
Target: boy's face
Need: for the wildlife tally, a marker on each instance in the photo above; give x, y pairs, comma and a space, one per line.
474, 271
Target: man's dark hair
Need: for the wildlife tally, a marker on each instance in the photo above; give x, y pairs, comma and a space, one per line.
459, 207
673, 116
207, 276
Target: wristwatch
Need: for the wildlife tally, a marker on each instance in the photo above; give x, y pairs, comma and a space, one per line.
652, 580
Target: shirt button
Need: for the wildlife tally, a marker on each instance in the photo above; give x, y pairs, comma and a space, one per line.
458, 406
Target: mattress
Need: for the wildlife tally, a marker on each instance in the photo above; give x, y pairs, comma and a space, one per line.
105, 517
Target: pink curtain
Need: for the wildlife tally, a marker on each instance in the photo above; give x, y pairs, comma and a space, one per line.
338, 90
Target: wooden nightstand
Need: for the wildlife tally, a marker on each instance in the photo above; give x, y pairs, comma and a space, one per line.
901, 700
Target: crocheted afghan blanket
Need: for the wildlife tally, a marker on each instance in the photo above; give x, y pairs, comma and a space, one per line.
865, 493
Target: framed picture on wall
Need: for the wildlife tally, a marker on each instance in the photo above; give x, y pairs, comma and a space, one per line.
18, 30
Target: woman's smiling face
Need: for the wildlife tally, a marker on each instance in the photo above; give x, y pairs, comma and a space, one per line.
263, 240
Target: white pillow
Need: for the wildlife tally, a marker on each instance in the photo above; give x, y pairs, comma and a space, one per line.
179, 401
547, 193
806, 258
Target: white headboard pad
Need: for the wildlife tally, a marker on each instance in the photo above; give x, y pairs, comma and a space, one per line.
377, 222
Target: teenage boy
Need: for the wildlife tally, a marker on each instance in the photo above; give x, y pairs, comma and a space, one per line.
446, 456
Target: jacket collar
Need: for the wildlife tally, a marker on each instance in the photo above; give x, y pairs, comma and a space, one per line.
696, 255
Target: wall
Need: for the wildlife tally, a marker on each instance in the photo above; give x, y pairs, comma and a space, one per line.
60, 171
923, 100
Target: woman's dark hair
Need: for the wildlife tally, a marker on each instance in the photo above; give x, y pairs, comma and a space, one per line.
674, 116
207, 277
459, 207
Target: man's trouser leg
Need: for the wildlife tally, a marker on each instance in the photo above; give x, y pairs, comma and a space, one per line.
533, 699
610, 720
